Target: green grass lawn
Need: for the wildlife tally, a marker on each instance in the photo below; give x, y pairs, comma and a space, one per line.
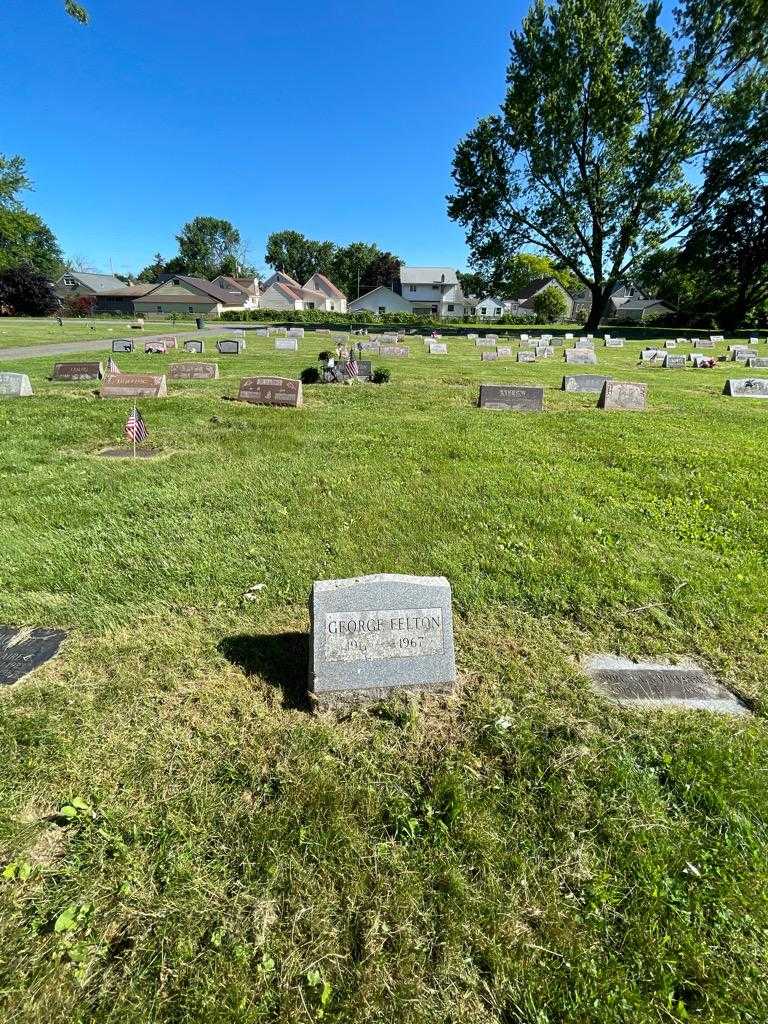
519, 852
15, 331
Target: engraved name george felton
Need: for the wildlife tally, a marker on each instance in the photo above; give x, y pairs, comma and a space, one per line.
386, 633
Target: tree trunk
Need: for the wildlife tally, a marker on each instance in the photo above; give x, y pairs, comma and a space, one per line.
600, 296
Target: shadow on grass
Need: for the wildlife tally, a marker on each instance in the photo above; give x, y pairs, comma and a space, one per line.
280, 659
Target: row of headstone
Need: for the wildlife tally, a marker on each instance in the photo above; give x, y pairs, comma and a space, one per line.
234, 345
615, 395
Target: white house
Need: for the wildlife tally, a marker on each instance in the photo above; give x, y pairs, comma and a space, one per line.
434, 291
490, 308
335, 299
282, 292
380, 300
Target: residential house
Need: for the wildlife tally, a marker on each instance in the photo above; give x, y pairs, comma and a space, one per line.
434, 291
280, 291
639, 309
525, 300
246, 285
380, 300
489, 308
335, 300
122, 299
184, 295
624, 292
73, 283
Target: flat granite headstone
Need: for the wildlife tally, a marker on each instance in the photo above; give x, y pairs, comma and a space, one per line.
230, 346
503, 397
271, 391
622, 396
653, 355
651, 684
193, 371
674, 362
489, 357
155, 347
26, 648
584, 343
287, 344
526, 357
15, 385
752, 387
122, 345
78, 371
438, 348
585, 382
670, 343
580, 355
364, 369
757, 362
703, 343
614, 343
398, 351
377, 633
133, 385
740, 354
196, 345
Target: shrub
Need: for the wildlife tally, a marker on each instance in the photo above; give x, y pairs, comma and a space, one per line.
79, 305
310, 375
381, 376
324, 356
550, 306
24, 291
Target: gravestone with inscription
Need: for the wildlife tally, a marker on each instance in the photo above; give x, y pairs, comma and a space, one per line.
526, 357
585, 343
622, 396
503, 351
752, 387
368, 346
230, 346
156, 346
614, 343
588, 383
287, 344
438, 348
25, 648
484, 342
193, 371
489, 357
670, 343
742, 354
506, 398
196, 345
271, 391
703, 343
122, 345
364, 369
78, 371
377, 633
674, 362
757, 362
544, 351
653, 355
395, 351
580, 355
133, 385
15, 385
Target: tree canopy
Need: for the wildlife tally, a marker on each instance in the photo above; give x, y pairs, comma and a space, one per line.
359, 264
208, 246
605, 112
25, 240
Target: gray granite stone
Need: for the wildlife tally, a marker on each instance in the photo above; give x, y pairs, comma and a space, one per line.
287, 344
674, 362
622, 396
614, 343
580, 355
544, 351
508, 398
122, 345
653, 355
526, 357
752, 387
757, 362
15, 385
196, 345
438, 348
230, 346
584, 382
193, 371
376, 633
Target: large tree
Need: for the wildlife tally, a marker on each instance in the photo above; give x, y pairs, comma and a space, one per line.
208, 246
605, 112
298, 256
24, 239
26, 292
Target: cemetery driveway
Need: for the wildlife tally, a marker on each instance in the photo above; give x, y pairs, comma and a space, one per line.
64, 348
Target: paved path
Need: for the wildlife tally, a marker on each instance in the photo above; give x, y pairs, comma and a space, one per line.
63, 348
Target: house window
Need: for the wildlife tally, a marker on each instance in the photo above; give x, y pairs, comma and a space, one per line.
332, 306
412, 287
450, 308
310, 305
434, 310
68, 281
382, 309
498, 311
482, 310
190, 309
159, 309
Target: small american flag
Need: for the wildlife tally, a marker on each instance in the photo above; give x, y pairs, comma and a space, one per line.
352, 367
135, 427
112, 366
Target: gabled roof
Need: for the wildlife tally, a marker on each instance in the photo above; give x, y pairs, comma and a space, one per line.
536, 286
335, 292
382, 288
129, 291
96, 282
286, 290
201, 285
639, 303
428, 275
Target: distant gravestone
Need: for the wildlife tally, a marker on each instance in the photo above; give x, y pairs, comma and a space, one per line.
297, 331
364, 369
757, 362
122, 345
489, 357
699, 360
396, 351
287, 344
271, 391
670, 343
580, 355
752, 387
196, 345
26, 648
15, 385
544, 352
585, 382
230, 346
716, 337
703, 343
193, 371
78, 371
438, 348
674, 362
653, 355
614, 343
377, 633
584, 343
484, 342
526, 357
368, 346
503, 397
740, 354
503, 351
133, 385
622, 396
156, 346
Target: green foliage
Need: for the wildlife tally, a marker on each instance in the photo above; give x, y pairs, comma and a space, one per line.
150, 274
24, 291
298, 256
603, 112
76, 11
347, 266
310, 375
550, 306
208, 246
26, 240
381, 376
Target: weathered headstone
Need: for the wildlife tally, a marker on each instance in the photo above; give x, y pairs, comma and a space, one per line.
484, 342
503, 351
507, 398
271, 391
133, 385
588, 383
489, 357
739, 354
653, 355
15, 385
752, 387
193, 371
674, 362
670, 343
395, 351
230, 346
155, 346
580, 355
438, 348
703, 343
614, 343
287, 344
297, 331
122, 345
585, 343
369, 346
377, 633
544, 352
757, 362
526, 357
195, 345
364, 369
622, 396
78, 371
26, 648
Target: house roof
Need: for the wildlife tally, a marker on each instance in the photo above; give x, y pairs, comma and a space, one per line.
536, 286
96, 282
428, 275
336, 292
286, 290
201, 285
640, 303
129, 291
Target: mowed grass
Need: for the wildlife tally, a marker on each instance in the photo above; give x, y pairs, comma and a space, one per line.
520, 851
20, 331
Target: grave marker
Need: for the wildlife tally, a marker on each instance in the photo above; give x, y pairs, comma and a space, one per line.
622, 396
196, 345
193, 371
614, 343
438, 348
26, 648
230, 347
133, 385
271, 391
503, 397
287, 344
752, 387
580, 355
377, 633
15, 385
395, 351
587, 383
122, 345
526, 357
674, 362
78, 371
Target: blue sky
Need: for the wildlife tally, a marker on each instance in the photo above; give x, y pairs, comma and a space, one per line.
338, 120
